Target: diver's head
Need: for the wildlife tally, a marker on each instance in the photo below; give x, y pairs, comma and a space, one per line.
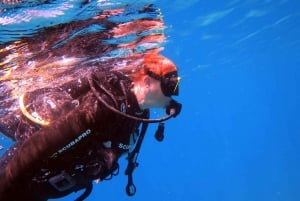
165, 71
156, 82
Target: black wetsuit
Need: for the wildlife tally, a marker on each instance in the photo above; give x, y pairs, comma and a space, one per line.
82, 142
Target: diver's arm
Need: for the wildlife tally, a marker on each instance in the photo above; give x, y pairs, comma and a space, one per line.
28, 157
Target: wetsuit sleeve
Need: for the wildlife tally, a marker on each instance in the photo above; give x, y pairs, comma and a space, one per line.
30, 154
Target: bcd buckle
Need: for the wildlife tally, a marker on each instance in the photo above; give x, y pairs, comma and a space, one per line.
62, 181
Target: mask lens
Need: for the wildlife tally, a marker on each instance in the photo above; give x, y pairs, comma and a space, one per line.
169, 84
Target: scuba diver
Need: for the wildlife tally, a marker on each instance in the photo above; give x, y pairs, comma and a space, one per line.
71, 135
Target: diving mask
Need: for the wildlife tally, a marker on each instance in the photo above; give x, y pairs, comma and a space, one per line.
168, 82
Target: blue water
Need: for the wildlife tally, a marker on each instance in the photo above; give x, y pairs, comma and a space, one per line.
238, 136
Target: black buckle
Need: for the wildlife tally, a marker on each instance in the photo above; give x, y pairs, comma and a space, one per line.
62, 182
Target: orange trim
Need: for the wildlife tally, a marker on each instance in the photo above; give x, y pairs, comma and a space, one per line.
28, 115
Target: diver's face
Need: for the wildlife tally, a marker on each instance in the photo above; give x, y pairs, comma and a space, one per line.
154, 96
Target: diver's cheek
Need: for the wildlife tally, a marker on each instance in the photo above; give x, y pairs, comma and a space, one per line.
163, 101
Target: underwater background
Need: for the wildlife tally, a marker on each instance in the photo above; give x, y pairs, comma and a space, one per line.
238, 136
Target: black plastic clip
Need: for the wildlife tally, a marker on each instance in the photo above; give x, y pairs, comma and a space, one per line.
62, 182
